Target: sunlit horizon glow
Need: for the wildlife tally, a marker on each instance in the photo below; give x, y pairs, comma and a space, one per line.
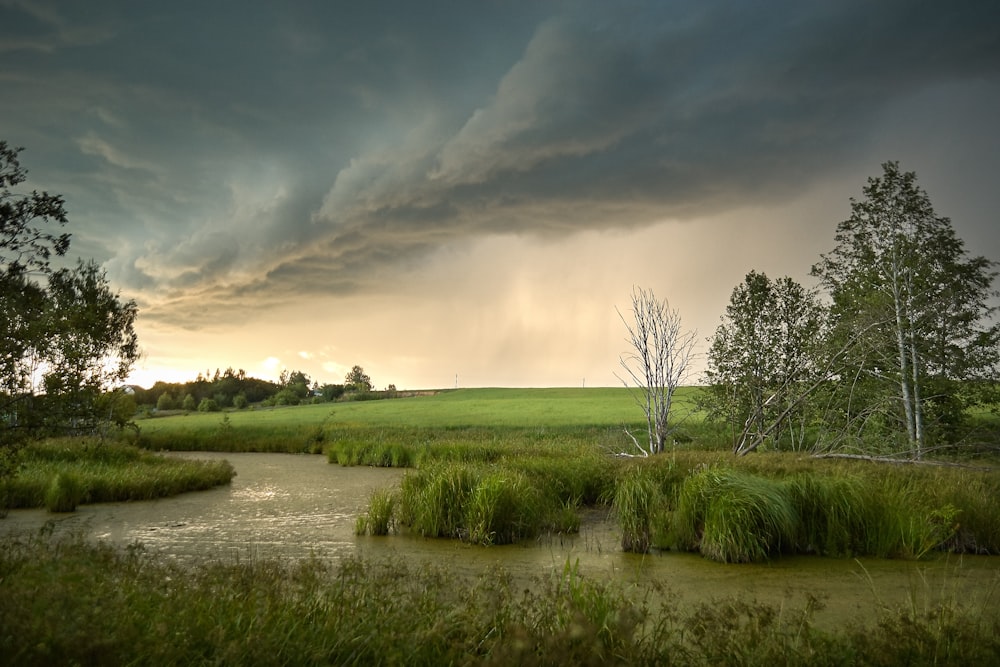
466, 195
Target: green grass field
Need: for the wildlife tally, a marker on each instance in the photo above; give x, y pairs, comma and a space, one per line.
306, 428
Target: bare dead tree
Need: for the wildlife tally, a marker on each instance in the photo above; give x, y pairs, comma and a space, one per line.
657, 364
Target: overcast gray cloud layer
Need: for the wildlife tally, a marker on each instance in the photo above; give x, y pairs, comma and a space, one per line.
217, 155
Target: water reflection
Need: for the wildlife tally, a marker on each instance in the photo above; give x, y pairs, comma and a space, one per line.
278, 505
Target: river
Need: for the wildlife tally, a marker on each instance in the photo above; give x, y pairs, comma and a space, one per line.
296, 506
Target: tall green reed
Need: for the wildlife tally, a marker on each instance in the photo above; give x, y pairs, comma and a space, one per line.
501, 508
433, 499
380, 518
834, 513
734, 517
636, 501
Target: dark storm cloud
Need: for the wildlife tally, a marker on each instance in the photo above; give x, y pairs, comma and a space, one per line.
259, 151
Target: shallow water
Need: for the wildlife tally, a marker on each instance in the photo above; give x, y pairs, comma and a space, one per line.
296, 505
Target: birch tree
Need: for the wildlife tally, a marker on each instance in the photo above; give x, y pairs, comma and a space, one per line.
763, 354
658, 362
897, 261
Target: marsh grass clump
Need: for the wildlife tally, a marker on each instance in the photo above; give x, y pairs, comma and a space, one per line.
734, 517
458, 451
380, 518
748, 521
978, 529
379, 451
53, 473
569, 619
834, 514
414, 447
904, 521
64, 493
433, 499
637, 499
82, 450
502, 508
483, 504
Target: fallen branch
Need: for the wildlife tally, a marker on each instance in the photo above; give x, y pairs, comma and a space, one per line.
887, 459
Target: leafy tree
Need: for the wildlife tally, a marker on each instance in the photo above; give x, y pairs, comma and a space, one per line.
66, 337
166, 401
225, 390
26, 245
899, 272
297, 377
118, 406
208, 405
188, 403
658, 363
358, 380
331, 392
92, 344
296, 385
225, 387
26, 248
23, 311
287, 396
762, 356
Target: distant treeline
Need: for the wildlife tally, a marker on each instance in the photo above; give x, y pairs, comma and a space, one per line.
235, 389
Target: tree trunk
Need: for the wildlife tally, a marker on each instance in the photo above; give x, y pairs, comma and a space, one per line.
918, 411
904, 381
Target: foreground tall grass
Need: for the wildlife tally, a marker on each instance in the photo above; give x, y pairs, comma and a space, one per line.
71, 602
62, 473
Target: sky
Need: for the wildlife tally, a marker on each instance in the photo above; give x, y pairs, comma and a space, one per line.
466, 193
